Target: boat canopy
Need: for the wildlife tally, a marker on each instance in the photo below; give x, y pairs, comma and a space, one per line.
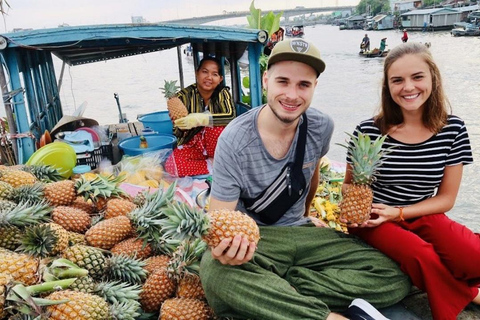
29, 84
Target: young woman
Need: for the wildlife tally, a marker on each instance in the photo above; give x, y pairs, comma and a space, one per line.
211, 108
418, 182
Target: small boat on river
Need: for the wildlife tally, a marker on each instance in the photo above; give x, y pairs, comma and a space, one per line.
374, 53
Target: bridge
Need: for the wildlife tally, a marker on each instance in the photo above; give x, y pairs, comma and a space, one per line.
287, 13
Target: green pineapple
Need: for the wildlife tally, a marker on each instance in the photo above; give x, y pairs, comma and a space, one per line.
6, 190
44, 240
366, 155
86, 257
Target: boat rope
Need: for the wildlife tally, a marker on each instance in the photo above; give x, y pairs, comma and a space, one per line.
20, 135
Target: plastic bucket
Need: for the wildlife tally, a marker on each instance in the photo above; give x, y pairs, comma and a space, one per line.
157, 121
130, 146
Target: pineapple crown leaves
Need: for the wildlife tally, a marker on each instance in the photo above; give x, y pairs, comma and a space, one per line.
31, 193
25, 214
365, 155
62, 269
184, 222
169, 88
166, 246
118, 292
101, 186
186, 259
125, 269
125, 310
44, 173
39, 240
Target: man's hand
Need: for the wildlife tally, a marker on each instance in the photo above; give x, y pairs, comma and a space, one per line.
234, 251
318, 223
194, 120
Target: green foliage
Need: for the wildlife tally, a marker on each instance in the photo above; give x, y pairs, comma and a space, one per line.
269, 22
375, 6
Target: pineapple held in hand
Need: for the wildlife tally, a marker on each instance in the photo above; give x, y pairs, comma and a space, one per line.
175, 106
366, 157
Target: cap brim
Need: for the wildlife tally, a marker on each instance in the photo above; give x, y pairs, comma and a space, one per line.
65, 120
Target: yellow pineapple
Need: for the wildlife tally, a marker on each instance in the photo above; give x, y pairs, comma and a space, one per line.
366, 155
5, 281
17, 178
158, 287
22, 267
6, 190
212, 227
190, 286
72, 219
133, 247
118, 207
175, 106
109, 232
60, 193
185, 308
156, 262
80, 306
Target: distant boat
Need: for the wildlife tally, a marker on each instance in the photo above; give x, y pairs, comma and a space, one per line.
295, 31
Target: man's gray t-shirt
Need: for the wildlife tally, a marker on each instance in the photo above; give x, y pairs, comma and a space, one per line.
243, 167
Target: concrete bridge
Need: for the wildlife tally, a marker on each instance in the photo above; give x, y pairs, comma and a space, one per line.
287, 13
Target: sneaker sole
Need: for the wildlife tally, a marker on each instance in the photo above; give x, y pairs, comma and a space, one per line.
368, 308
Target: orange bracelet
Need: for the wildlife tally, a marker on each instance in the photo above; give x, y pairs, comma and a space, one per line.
400, 216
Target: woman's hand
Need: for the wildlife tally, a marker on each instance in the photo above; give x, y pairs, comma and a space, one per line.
234, 251
380, 213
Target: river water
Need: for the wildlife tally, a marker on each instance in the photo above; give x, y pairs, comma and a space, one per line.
348, 90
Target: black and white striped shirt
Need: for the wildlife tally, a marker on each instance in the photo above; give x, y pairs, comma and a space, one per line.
411, 173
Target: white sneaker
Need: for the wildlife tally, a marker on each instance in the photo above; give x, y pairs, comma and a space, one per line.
360, 309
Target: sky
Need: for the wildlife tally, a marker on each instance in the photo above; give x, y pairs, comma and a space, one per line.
39, 14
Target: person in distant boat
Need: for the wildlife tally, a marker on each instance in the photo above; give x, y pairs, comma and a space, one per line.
211, 108
365, 45
405, 36
267, 166
418, 181
273, 40
383, 44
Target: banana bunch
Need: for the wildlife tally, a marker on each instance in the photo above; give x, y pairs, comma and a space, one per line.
329, 213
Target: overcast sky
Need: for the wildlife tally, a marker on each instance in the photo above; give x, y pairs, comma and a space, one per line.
51, 13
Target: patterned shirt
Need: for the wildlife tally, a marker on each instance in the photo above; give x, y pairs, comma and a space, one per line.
222, 112
410, 173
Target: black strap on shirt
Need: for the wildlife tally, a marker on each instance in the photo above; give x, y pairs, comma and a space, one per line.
286, 189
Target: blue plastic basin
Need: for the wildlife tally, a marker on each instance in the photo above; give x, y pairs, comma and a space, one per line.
130, 146
158, 121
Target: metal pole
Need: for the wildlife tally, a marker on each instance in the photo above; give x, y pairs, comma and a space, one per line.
12, 126
180, 66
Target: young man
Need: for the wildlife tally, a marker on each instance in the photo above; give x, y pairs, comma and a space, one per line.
267, 165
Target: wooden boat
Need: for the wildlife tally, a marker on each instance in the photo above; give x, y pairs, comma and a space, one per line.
295, 31
374, 54
32, 96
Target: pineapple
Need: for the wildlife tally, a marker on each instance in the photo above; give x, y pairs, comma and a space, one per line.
22, 267
100, 187
109, 232
76, 238
43, 240
366, 155
133, 247
5, 282
5, 190
117, 291
80, 305
156, 262
86, 257
184, 222
17, 178
158, 287
118, 207
60, 193
72, 219
175, 106
185, 308
184, 268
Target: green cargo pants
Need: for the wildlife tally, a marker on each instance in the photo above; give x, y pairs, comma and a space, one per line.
302, 273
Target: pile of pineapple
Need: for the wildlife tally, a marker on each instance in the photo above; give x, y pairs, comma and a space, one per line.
325, 205
83, 249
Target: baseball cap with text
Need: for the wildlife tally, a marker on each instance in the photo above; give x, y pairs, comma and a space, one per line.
297, 50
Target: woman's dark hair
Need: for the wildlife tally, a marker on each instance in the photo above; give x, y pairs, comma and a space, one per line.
221, 85
436, 108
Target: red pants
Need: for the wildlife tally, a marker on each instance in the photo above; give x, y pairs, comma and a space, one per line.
441, 257
190, 159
